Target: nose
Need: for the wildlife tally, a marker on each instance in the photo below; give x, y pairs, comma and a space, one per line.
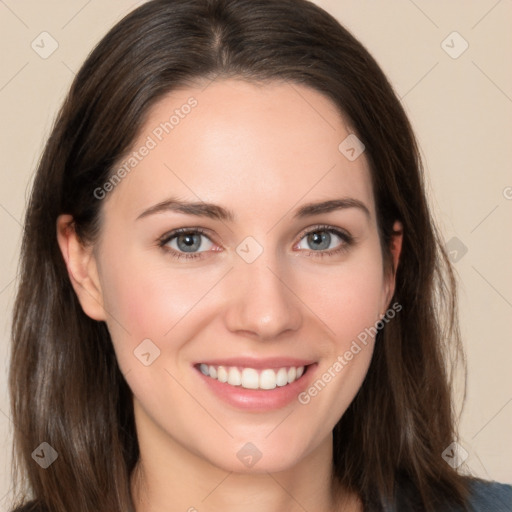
262, 303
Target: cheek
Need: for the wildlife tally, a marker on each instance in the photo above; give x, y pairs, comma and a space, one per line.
350, 297
349, 303
145, 300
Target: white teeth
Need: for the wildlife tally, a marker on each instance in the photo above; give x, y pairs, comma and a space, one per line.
250, 378
268, 379
282, 377
222, 374
234, 377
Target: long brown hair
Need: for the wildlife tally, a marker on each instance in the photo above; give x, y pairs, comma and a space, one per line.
66, 387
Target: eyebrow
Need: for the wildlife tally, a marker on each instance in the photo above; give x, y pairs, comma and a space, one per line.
213, 211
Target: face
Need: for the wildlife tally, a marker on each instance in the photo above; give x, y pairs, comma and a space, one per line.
267, 281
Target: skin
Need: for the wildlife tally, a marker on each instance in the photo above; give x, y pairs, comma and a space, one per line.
261, 151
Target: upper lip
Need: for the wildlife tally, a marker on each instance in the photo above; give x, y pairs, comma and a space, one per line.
258, 363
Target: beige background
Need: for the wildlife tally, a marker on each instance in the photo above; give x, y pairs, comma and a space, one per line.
461, 109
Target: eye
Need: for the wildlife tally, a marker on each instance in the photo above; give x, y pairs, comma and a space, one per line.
325, 241
186, 242
193, 242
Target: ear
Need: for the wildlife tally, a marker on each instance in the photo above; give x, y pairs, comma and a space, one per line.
395, 248
82, 268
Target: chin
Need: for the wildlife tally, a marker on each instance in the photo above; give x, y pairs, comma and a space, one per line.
259, 456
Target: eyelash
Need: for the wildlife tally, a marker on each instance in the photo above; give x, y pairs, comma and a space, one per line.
347, 240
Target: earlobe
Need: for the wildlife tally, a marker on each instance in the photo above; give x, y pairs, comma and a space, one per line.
82, 268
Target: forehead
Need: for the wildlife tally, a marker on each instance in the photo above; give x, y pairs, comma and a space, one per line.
243, 145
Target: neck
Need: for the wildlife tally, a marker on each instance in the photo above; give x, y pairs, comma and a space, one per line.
169, 477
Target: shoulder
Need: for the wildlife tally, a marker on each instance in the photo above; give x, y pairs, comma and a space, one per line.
487, 495
482, 496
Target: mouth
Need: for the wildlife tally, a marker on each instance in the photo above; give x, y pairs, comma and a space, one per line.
252, 378
256, 385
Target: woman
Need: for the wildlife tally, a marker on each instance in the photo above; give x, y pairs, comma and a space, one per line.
231, 284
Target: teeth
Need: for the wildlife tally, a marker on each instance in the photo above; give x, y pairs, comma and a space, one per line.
282, 377
222, 374
249, 378
234, 377
268, 379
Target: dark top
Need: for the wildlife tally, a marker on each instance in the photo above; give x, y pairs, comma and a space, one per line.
485, 497
492, 497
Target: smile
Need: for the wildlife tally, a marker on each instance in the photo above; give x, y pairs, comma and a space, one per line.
250, 378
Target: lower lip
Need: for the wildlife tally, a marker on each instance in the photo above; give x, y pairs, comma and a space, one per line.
259, 400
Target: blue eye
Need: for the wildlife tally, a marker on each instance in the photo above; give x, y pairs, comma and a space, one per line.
193, 242
186, 242
325, 241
